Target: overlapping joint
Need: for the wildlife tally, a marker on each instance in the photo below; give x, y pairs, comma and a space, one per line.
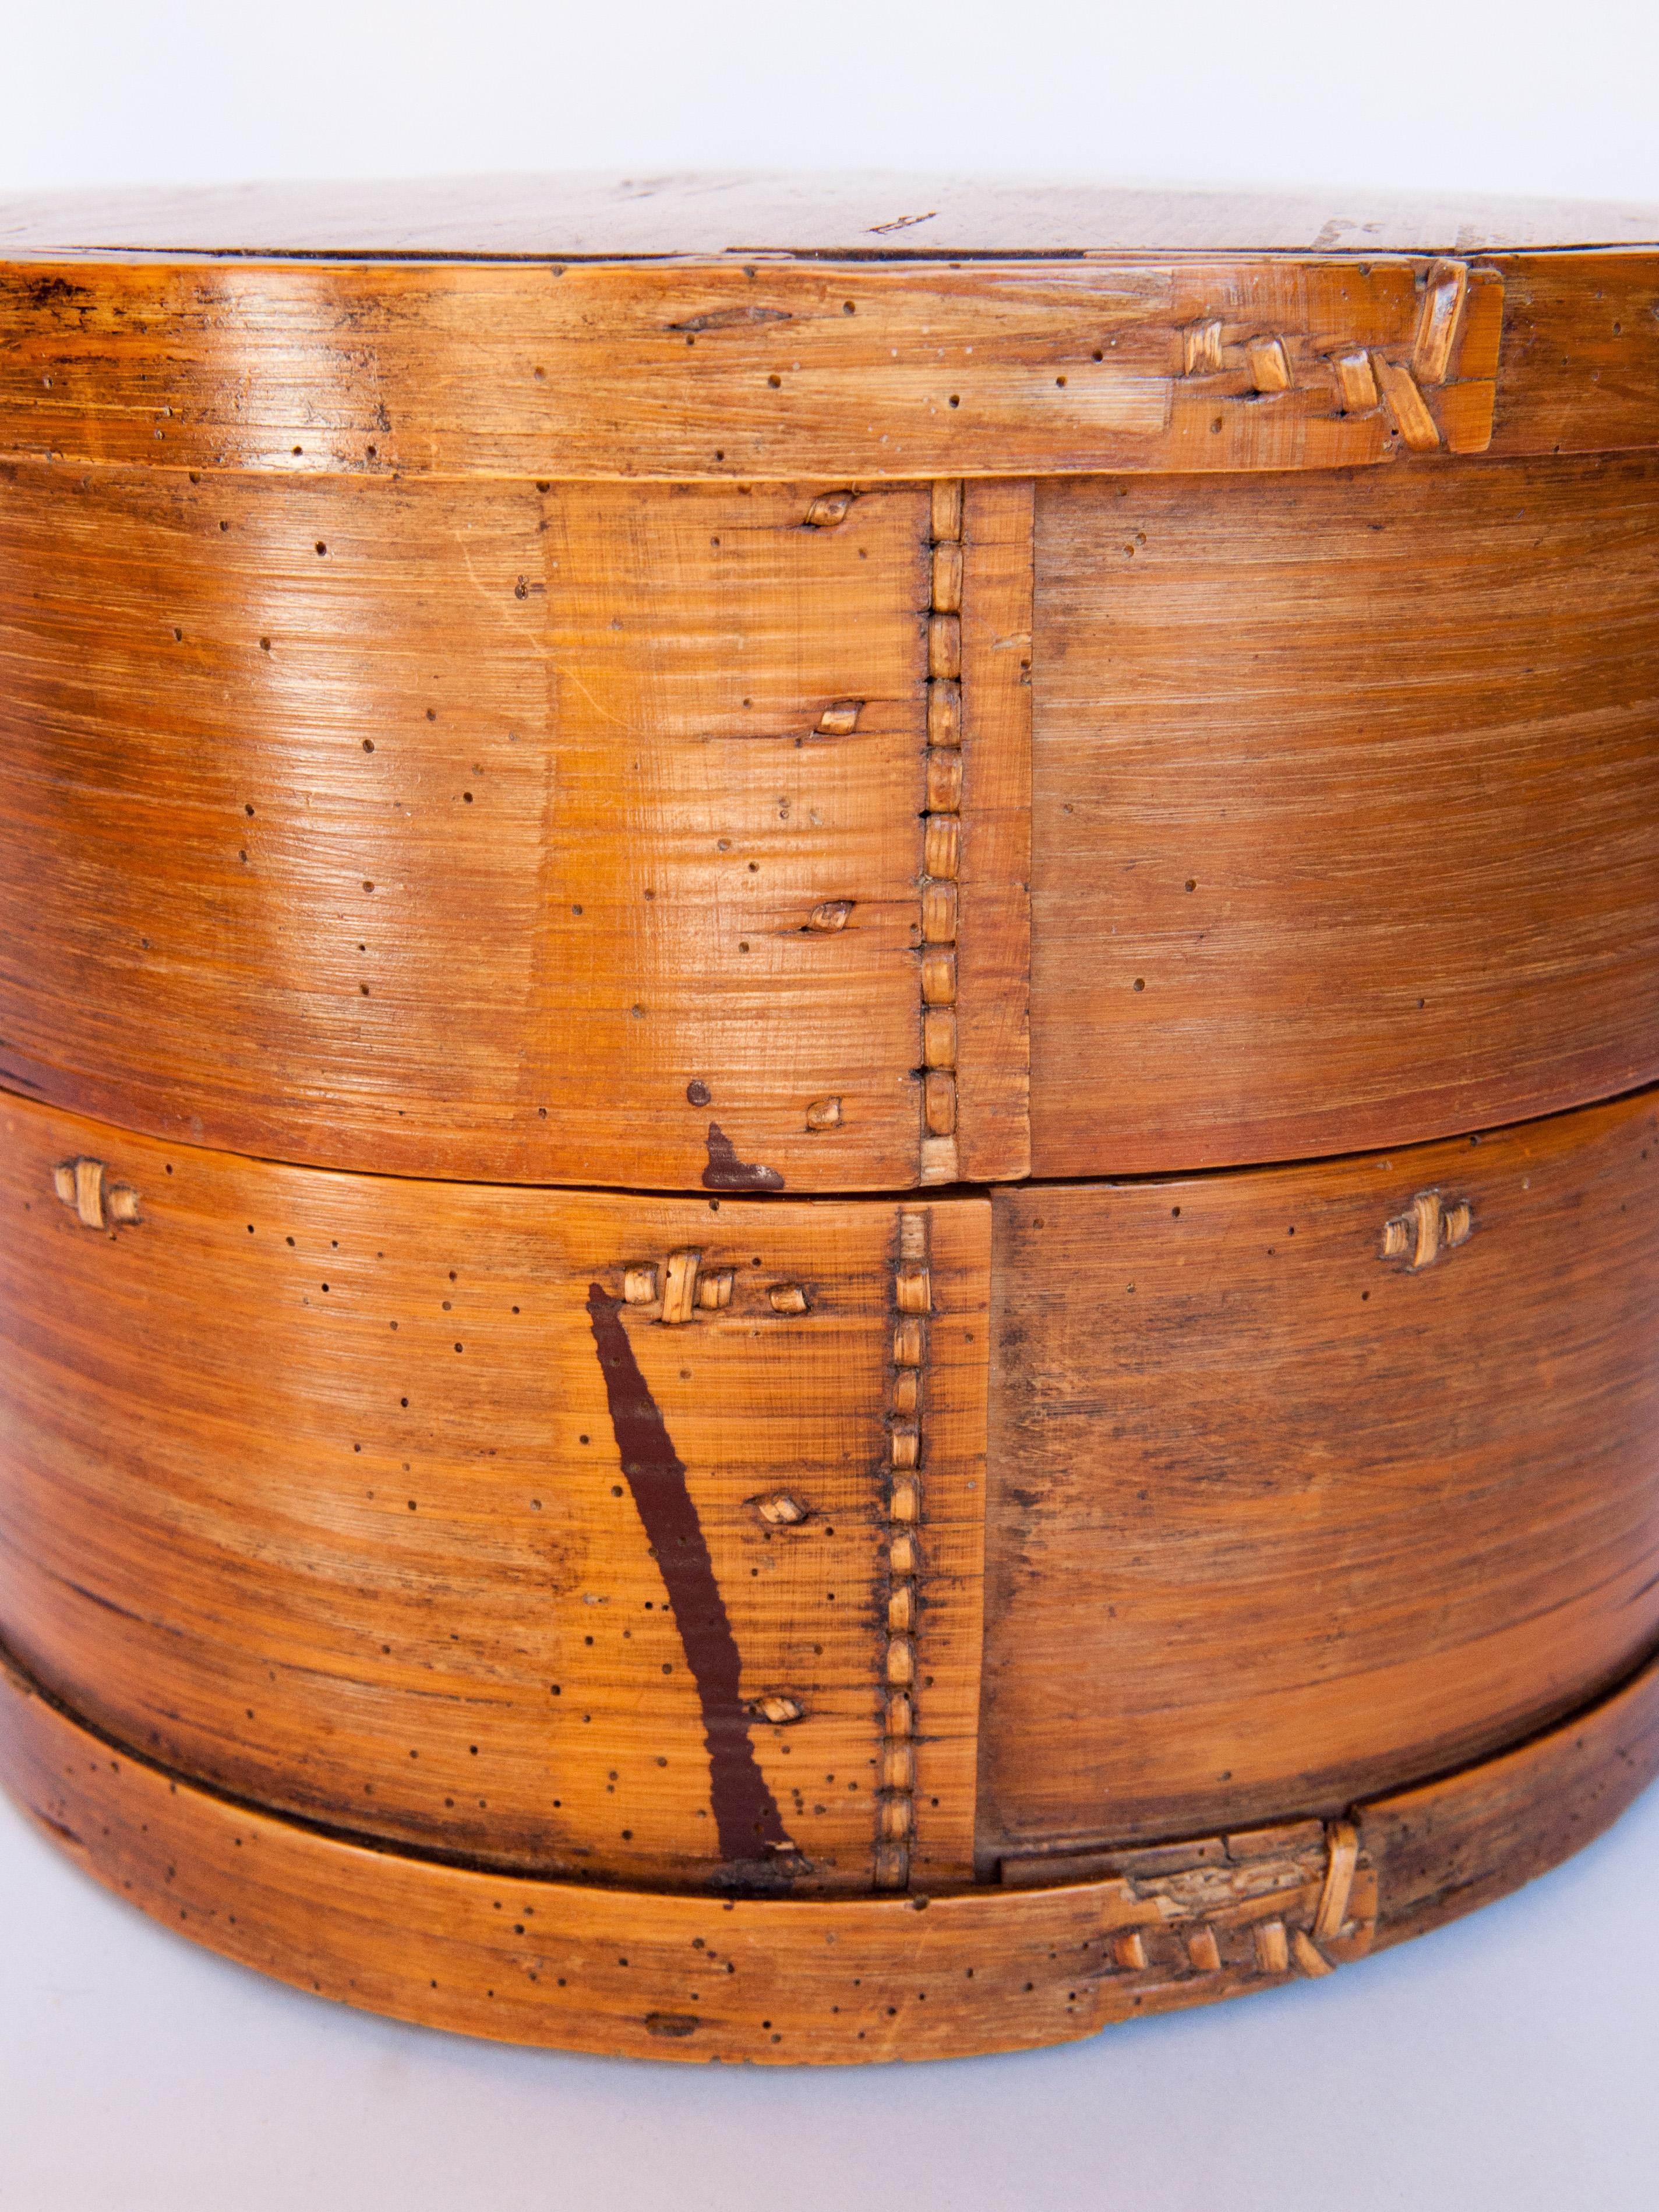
1233, 360
1299, 1898
942, 842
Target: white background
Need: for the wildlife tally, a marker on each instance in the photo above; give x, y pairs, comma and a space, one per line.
1507, 2063
1504, 2065
1489, 95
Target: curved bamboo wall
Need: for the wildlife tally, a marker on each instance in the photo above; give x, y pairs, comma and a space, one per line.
828, 1143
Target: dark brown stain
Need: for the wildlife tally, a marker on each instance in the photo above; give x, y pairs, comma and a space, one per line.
671, 2023
52, 291
726, 1171
731, 318
745, 1812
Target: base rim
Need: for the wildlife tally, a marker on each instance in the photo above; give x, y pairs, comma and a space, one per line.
782, 1981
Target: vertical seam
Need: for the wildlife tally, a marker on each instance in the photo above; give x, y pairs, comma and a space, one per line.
913, 1301
941, 855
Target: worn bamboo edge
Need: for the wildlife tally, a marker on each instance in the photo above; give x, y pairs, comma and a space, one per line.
998, 1967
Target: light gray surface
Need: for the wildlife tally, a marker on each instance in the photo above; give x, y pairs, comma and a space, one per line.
1464, 96
808, 210
1507, 2064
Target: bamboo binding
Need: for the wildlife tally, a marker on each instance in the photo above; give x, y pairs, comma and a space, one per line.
828, 1092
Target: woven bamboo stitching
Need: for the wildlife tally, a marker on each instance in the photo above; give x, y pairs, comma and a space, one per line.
913, 1300
1365, 379
942, 842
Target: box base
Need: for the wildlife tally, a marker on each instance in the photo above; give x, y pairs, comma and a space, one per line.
1005, 1966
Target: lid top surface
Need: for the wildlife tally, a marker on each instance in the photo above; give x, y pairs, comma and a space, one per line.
585, 215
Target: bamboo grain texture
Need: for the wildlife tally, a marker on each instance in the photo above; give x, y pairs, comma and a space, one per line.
680, 371
399, 1442
1346, 809
382, 783
828, 1087
1267, 1566
291, 772
1288, 1509
774, 1981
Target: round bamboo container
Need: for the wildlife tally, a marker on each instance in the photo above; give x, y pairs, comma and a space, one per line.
831, 1230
